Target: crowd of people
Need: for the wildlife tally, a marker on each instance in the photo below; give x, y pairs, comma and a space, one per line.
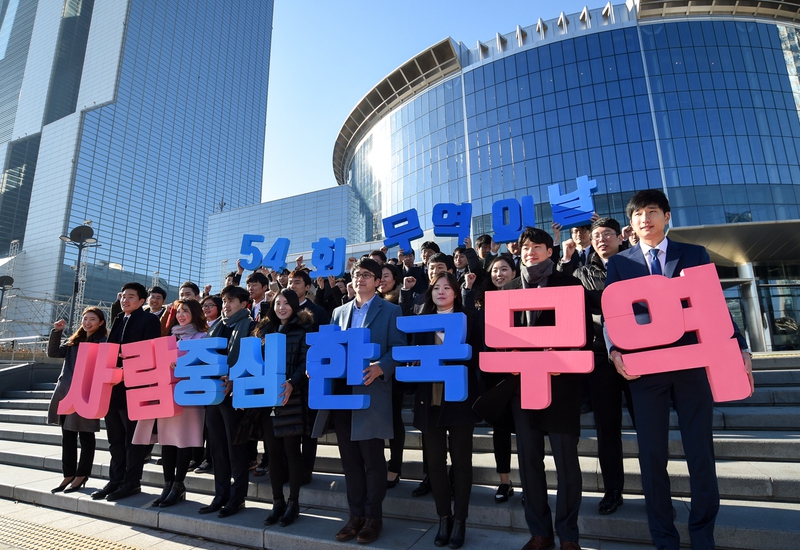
373, 293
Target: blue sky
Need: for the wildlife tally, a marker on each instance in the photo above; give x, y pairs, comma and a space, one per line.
327, 55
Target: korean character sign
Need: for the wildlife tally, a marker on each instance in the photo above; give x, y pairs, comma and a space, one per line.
95, 375
536, 367
659, 301
148, 373
257, 376
200, 370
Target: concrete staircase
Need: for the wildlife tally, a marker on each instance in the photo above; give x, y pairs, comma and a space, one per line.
757, 443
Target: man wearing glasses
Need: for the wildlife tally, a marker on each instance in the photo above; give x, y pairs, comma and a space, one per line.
360, 434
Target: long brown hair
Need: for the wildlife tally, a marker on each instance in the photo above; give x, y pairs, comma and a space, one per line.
80, 335
198, 317
429, 307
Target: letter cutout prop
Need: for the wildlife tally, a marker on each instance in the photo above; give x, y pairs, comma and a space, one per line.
401, 229
149, 378
452, 220
257, 377
328, 257
95, 375
519, 217
706, 315
574, 208
275, 258
335, 353
431, 358
199, 371
536, 367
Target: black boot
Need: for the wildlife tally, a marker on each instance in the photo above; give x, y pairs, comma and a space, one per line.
177, 494
458, 534
164, 494
278, 509
292, 511
445, 526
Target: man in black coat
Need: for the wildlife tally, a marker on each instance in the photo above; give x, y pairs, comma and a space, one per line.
127, 459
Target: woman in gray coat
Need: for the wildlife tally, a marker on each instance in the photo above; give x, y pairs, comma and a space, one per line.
93, 329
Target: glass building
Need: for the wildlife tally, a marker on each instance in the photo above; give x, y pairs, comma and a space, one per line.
700, 101
140, 117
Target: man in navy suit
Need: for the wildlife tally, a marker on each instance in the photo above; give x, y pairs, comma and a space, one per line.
688, 391
360, 434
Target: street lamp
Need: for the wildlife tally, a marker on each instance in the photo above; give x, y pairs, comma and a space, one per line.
81, 237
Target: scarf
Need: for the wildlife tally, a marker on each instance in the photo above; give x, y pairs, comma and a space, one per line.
184, 332
240, 322
535, 276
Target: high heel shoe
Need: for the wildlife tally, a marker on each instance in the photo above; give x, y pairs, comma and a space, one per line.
458, 534
291, 514
278, 509
64, 485
445, 528
176, 495
72, 488
503, 493
392, 483
163, 496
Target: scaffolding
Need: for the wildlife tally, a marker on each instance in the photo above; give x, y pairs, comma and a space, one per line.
27, 316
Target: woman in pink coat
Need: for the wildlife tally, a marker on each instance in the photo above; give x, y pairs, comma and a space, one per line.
178, 434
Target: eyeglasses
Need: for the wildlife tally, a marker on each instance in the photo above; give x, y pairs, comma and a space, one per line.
604, 236
209, 306
363, 276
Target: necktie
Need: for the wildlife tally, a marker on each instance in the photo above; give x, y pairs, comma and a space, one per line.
583, 257
122, 332
655, 265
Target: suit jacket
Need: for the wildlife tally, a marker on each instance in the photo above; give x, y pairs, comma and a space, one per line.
374, 422
141, 325
630, 264
321, 316
419, 274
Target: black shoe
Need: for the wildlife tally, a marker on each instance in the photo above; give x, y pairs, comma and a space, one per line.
610, 502
177, 494
458, 533
307, 477
72, 488
423, 488
291, 514
64, 484
163, 496
204, 468
228, 510
215, 505
105, 491
503, 493
125, 490
445, 527
278, 509
192, 465
393, 483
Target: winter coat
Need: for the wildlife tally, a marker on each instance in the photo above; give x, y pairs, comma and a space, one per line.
70, 422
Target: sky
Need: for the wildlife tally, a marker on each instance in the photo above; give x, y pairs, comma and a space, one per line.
327, 55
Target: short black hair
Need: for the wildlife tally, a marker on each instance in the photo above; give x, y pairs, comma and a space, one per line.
409, 252
301, 274
611, 223
257, 277
442, 258
483, 240
536, 236
141, 291
235, 292
157, 290
231, 274
379, 254
215, 298
584, 227
460, 250
369, 264
192, 286
430, 245
645, 198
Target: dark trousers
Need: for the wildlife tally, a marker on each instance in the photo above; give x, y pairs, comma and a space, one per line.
127, 459
397, 443
309, 446
69, 453
229, 460
364, 469
688, 391
501, 442
460, 442
175, 463
530, 452
606, 387
278, 447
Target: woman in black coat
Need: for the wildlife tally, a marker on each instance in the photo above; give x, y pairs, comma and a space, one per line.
448, 422
284, 426
73, 426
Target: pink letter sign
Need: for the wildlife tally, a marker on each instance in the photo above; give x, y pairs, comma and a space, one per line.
707, 316
95, 373
536, 367
149, 378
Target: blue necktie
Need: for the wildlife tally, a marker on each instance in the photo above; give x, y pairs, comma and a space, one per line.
655, 265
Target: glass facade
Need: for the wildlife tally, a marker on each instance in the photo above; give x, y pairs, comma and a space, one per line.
705, 110
183, 139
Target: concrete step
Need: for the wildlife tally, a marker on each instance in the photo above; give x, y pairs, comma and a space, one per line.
27, 394
44, 386
777, 377
409, 523
776, 360
25, 404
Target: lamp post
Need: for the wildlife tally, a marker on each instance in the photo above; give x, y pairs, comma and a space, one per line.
6, 282
81, 237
